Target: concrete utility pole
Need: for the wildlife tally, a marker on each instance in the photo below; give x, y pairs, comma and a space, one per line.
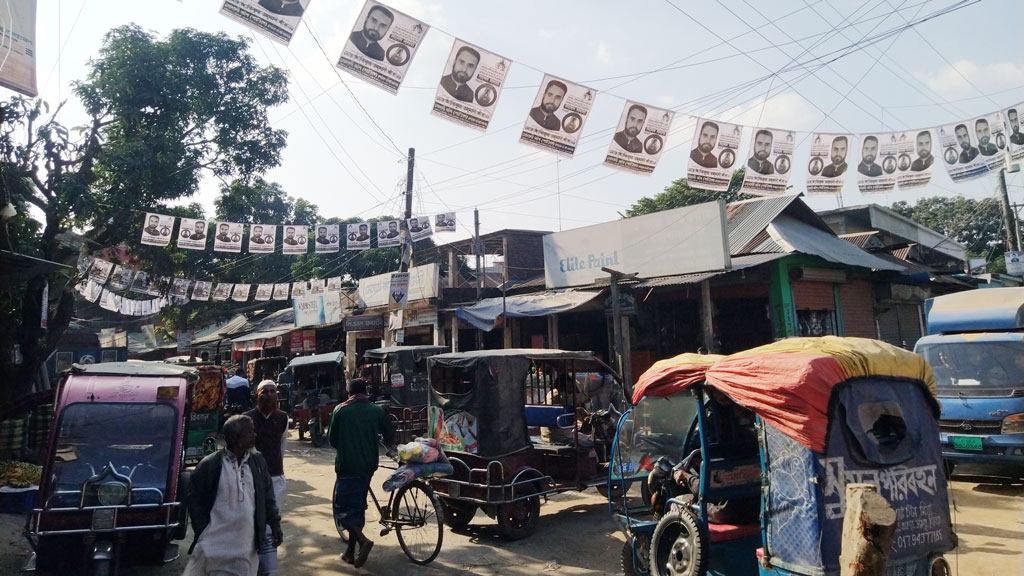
406, 260
478, 250
1009, 218
621, 354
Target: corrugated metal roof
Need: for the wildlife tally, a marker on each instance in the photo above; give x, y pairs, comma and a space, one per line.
738, 263
859, 239
215, 333
748, 218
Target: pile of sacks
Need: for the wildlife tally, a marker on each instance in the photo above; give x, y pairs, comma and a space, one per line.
420, 458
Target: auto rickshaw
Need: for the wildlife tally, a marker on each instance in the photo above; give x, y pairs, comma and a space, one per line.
482, 408
317, 385
399, 376
113, 482
206, 413
827, 411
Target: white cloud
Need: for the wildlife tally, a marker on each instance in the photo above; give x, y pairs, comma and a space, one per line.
666, 100
603, 53
952, 81
784, 110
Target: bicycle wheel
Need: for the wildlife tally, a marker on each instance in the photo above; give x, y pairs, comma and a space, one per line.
417, 519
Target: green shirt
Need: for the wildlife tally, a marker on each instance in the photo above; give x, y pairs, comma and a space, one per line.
353, 433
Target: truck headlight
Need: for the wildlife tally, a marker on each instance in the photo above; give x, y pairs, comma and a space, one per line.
112, 493
1013, 424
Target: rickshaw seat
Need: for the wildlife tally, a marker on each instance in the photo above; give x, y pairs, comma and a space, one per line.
730, 532
539, 416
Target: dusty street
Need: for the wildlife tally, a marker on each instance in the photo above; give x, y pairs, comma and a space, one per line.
576, 535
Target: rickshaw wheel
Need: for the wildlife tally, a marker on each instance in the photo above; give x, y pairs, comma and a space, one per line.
457, 514
517, 520
643, 560
679, 546
617, 490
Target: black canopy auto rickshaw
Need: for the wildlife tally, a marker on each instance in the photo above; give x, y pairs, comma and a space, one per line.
317, 385
518, 424
399, 375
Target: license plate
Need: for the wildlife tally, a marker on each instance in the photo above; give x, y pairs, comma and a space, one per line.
970, 443
104, 519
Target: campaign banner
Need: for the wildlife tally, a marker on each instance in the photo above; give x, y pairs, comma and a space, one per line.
914, 158
317, 286
556, 120
222, 291
713, 154
99, 271
157, 231
110, 301
18, 40
201, 290
444, 222
381, 46
770, 163
276, 19
388, 233
469, 90
1014, 263
1015, 138
144, 283
121, 278
281, 291
357, 236
398, 291
295, 239
419, 228
90, 290
991, 134
960, 152
327, 239
241, 292
262, 238
179, 288
876, 171
640, 138
299, 289
264, 292
229, 237
333, 284
308, 310
192, 234
827, 166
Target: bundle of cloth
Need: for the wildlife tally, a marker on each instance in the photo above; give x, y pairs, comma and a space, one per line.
420, 458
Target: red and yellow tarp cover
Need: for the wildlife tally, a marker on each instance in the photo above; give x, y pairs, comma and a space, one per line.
669, 376
788, 383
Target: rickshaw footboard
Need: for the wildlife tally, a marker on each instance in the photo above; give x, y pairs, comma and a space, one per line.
493, 494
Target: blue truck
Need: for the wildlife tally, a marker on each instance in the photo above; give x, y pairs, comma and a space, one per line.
975, 345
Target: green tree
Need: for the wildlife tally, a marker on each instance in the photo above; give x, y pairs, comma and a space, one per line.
680, 193
977, 224
161, 113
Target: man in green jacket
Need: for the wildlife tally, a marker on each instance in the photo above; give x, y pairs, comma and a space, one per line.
355, 426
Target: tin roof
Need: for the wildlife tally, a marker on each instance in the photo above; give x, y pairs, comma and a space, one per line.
134, 368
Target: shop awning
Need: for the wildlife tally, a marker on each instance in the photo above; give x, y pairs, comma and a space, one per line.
485, 313
263, 335
217, 333
335, 357
796, 236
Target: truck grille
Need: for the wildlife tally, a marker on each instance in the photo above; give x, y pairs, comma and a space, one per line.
954, 426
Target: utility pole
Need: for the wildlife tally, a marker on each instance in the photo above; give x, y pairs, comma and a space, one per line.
478, 250
621, 355
1009, 218
406, 239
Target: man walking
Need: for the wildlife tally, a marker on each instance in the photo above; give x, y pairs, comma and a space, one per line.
353, 432
231, 503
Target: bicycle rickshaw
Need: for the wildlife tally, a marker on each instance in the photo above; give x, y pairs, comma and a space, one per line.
400, 384
482, 408
829, 411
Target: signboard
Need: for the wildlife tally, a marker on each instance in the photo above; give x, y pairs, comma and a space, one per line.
364, 323
398, 293
1015, 263
680, 241
375, 290
309, 310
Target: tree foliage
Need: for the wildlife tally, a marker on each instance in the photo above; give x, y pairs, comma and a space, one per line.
977, 224
680, 193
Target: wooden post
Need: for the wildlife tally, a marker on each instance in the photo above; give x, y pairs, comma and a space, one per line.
868, 529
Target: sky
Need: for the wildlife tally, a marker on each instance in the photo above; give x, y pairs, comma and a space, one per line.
804, 65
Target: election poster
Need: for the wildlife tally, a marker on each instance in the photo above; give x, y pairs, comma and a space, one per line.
121, 278
145, 284
264, 292
277, 19
109, 301
770, 162
192, 234
419, 228
18, 71
90, 290
381, 46
295, 238
299, 289
469, 89
398, 292
914, 158
556, 120
334, 284
960, 152
201, 290
640, 138
876, 171
317, 286
713, 154
222, 291
357, 236
826, 167
157, 231
991, 135
100, 271
1015, 138
229, 237
444, 222
261, 238
179, 288
388, 233
241, 292
281, 291
327, 239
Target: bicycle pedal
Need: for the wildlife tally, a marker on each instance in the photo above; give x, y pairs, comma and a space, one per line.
384, 532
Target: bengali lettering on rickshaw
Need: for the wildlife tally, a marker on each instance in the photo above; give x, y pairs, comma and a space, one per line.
896, 484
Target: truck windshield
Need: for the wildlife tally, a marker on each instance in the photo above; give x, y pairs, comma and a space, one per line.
978, 367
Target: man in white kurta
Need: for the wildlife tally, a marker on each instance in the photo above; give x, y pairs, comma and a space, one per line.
225, 546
